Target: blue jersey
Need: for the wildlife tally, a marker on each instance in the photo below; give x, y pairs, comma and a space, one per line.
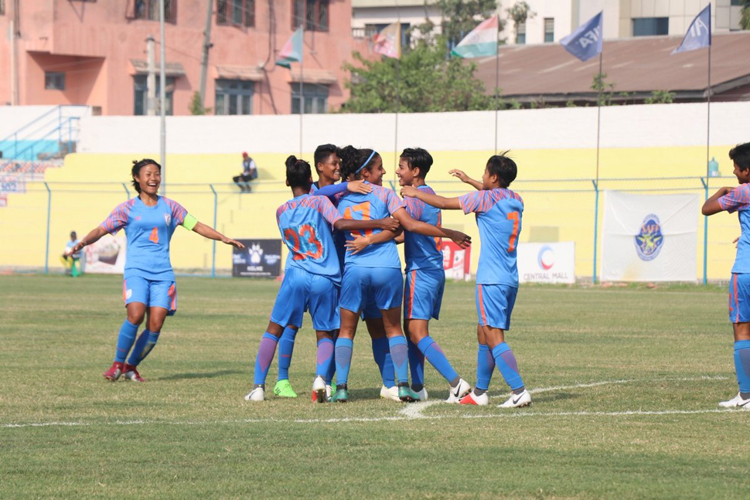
305, 225
334, 193
377, 204
420, 251
148, 231
738, 200
498, 213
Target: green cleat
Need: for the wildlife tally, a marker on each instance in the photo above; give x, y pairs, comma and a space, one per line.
284, 389
341, 395
406, 394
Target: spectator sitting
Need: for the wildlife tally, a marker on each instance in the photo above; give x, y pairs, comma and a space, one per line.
70, 259
249, 172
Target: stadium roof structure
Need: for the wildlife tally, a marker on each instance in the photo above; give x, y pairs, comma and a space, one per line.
636, 66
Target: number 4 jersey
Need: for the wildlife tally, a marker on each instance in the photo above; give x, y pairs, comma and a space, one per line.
498, 213
305, 224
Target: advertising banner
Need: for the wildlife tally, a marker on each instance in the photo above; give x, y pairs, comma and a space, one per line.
260, 259
106, 256
649, 237
547, 262
456, 261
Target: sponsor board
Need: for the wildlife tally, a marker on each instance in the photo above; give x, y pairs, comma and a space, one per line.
259, 259
456, 261
546, 262
106, 256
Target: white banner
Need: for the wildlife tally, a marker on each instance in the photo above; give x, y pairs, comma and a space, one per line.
649, 237
106, 256
547, 262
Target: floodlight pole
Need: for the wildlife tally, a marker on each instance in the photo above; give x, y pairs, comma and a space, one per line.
162, 102
497, 77
302, 84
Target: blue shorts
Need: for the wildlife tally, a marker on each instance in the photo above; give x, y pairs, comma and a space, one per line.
739, 298
495, 305
151, 293
371, 311
423, 293
302, 291
371, 288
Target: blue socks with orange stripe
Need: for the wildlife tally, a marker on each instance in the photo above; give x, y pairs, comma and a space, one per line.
146, 341
436, 357
325, 357
742, 366
508, 366
343, 360
266, 350
485, 367
125, 340
286, 348
384, 360
400, 355
416, 366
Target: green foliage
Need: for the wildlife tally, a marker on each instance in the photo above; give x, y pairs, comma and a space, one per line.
459, 17
570, 104
604, 88
196, 106
520, 12
745, 15
660, 97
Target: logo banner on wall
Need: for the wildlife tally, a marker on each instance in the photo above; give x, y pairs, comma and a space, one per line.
259, 259
106, 256
649, 237
456, 261
547, 262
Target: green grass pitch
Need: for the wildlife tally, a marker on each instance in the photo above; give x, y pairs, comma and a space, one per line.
625, 383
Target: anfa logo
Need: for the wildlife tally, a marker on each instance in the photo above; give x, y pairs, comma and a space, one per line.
649, 240
167, 219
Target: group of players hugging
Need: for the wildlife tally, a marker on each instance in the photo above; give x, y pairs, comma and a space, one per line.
343, 265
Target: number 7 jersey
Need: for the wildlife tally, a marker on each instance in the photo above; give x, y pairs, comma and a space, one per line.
498, 213
305, 224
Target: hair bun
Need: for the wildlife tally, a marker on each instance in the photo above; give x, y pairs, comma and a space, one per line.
290, 161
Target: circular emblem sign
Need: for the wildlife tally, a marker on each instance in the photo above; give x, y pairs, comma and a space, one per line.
649, 240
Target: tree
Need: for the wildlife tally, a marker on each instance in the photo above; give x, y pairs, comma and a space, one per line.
660, 97
196, 106
745, 15
604, 89
459, 17
520, 13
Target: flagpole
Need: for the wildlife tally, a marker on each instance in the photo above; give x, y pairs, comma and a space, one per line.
301, 85
708, 143
398, 91
599, 114
497, 77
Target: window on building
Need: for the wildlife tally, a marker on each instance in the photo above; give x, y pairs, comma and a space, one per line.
2, 7
316, 98
738, 2
650, 26
237, 12
149, 10
521, 33
140, 84
313, 12
234, 97
549, 29
54, 81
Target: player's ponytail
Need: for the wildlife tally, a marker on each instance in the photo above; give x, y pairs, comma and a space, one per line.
298, 172
137, 166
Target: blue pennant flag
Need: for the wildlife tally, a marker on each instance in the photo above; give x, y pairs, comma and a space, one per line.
586, 41
698, 34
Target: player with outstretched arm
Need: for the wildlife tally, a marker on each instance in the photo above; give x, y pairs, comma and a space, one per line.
148, 287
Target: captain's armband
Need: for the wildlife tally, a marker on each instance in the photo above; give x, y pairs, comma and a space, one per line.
190, 222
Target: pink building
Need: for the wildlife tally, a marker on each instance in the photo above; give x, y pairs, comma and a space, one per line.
93, 52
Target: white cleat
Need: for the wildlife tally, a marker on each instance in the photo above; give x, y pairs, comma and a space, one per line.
320, 391
390, 393
456, 394
517, 400
736, 402
422, 393
473, 399
257, 394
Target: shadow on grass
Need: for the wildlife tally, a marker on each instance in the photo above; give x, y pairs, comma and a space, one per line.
554, 396
182, 376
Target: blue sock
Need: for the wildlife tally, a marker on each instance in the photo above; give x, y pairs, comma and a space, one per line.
742, 364
436, 357
286, 348
506, 363
343, 355
332, 369
146, 341
325, 357
266, 350
125, 340
416, 365
485, 367
382, 356
400, 355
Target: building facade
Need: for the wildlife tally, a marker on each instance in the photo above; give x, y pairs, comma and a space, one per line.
94, 52
552, 20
